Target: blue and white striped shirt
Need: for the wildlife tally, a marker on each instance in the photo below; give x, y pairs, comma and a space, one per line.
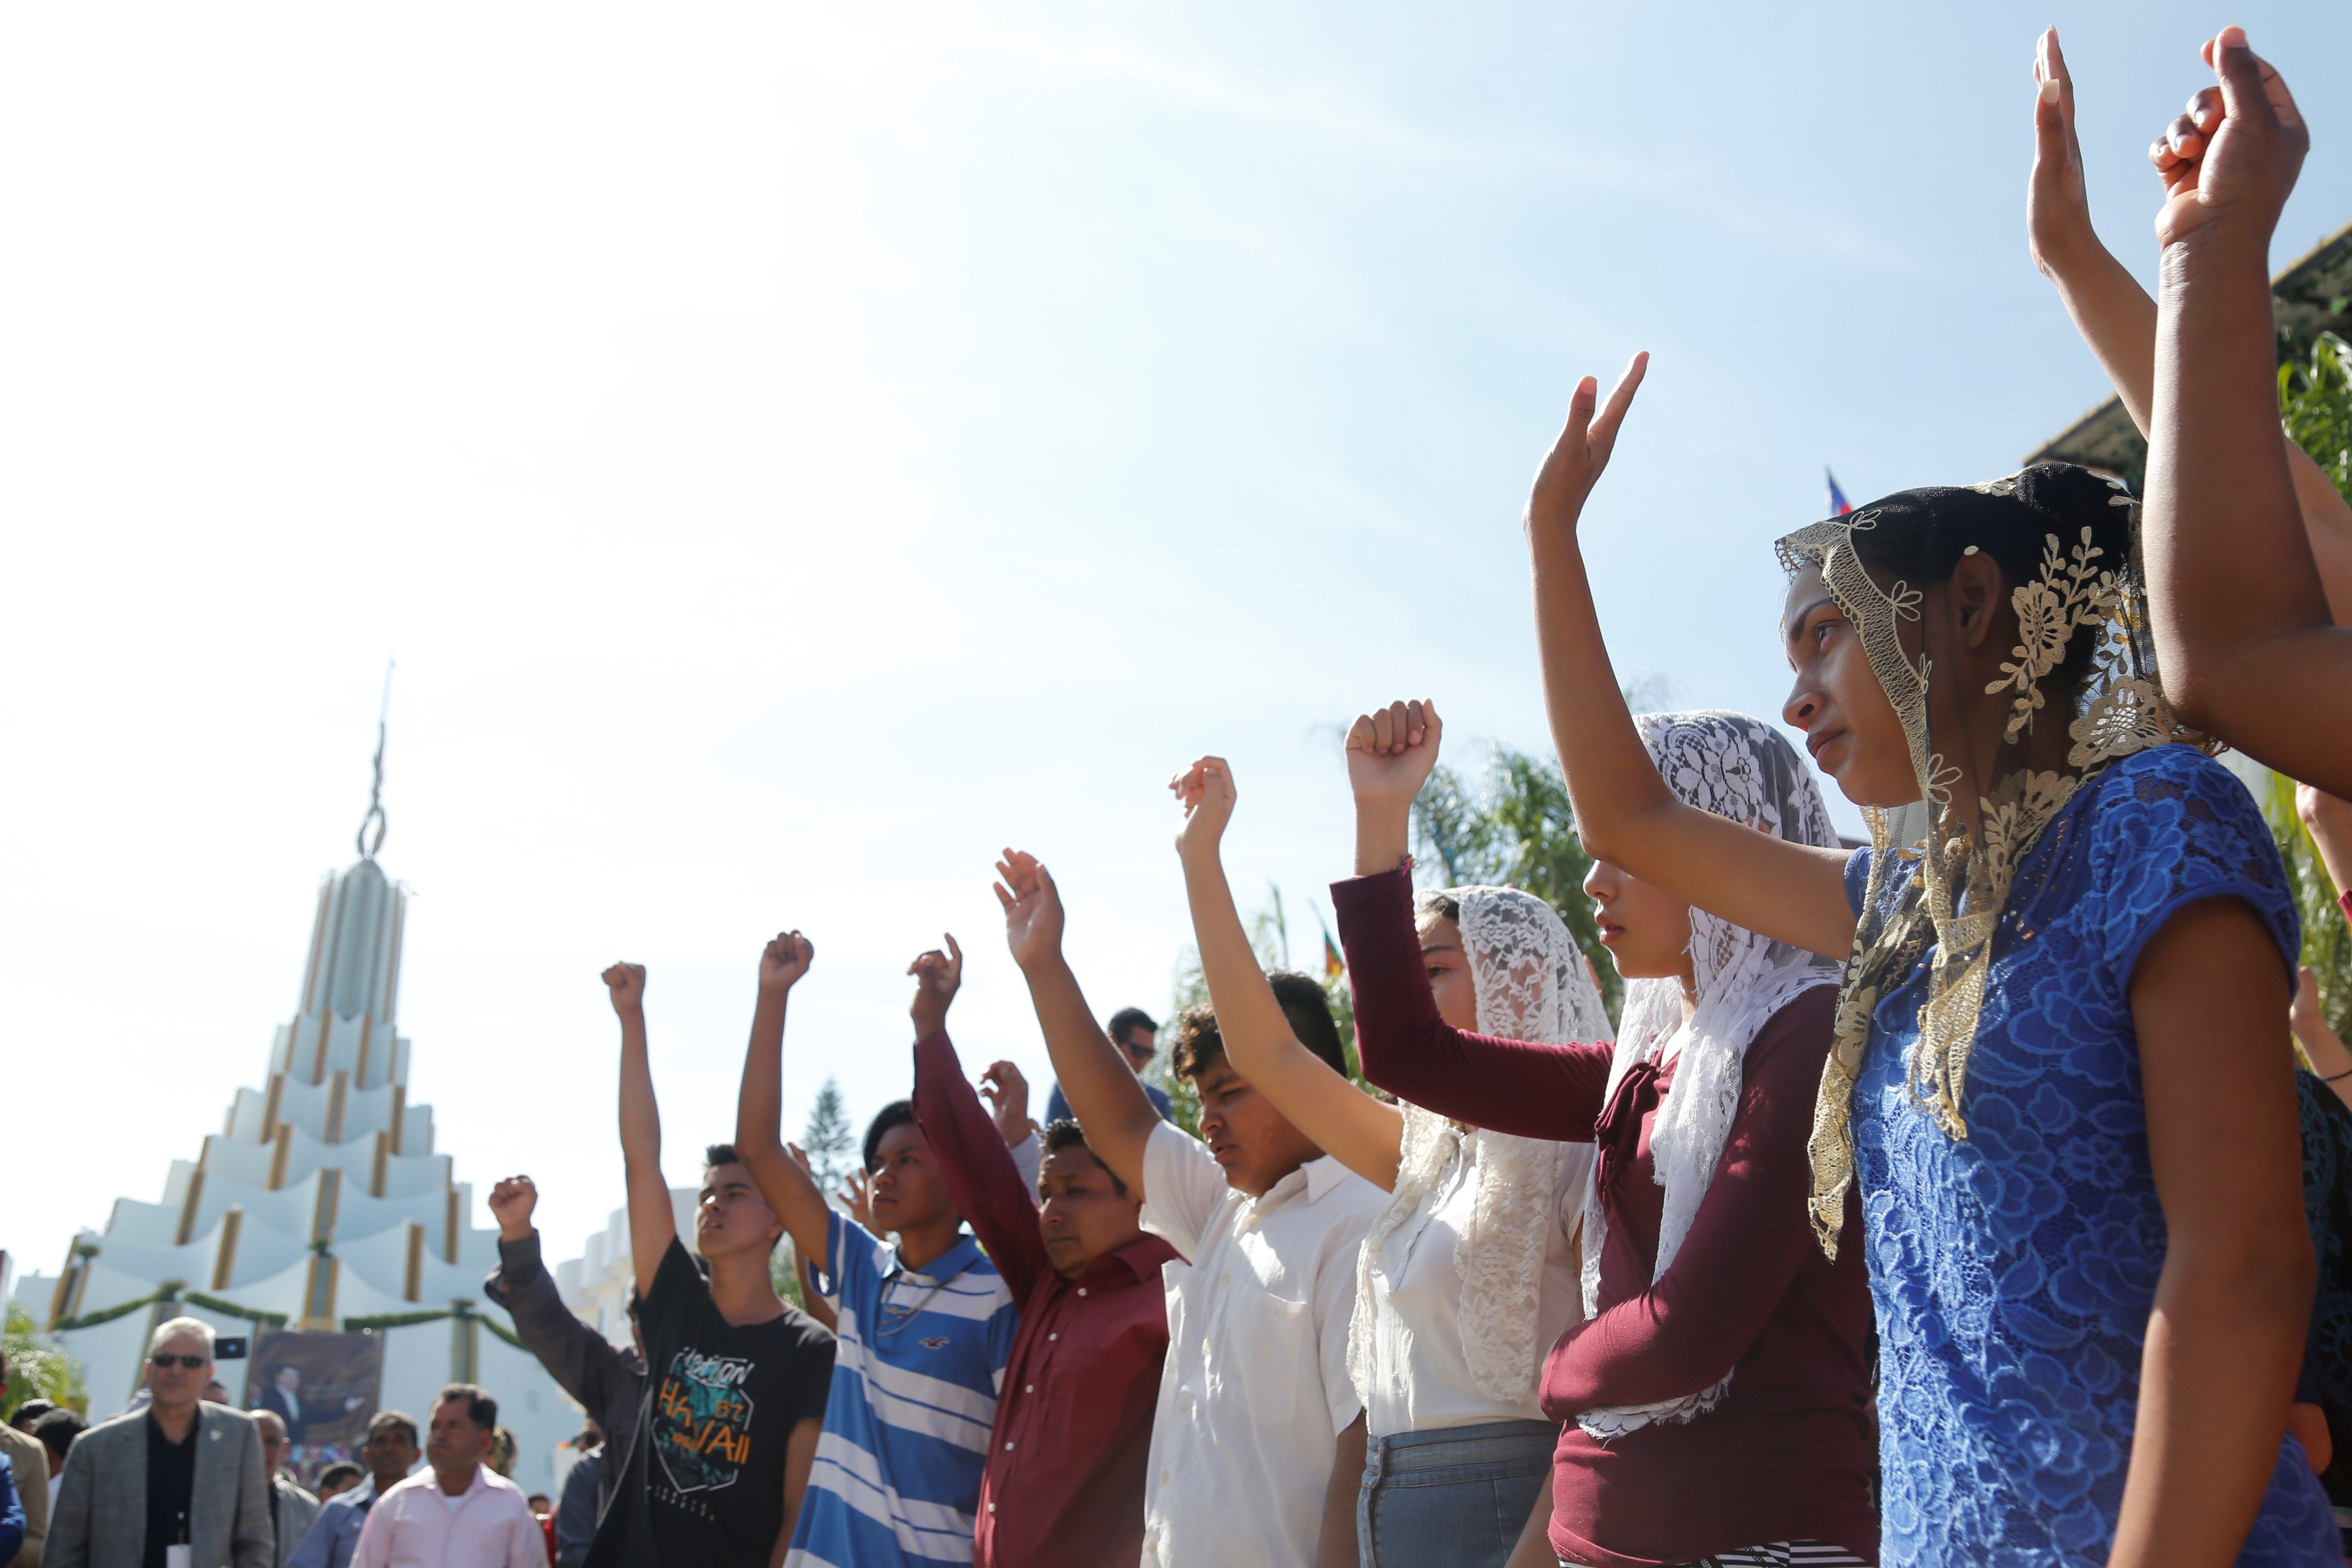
915, 1379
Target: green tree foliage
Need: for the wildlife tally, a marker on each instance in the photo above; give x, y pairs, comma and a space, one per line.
828, 1140
38, 1367
1513, 829
2316, 406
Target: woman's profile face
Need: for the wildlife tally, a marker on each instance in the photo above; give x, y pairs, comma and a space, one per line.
1646, 929
1851, 728
1449, 971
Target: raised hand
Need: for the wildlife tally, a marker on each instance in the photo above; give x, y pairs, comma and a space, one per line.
2057, 202
1032, 908
512, 1202
1391, 751
627, 982
938, 976
1205, 791
2237, 149
785, 960
1007, 1093
857, 1201
1582, 450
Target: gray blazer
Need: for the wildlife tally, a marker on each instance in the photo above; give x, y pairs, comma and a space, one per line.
296, 1510
100, 1520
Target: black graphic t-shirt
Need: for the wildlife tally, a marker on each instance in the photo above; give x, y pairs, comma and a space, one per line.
705, 1481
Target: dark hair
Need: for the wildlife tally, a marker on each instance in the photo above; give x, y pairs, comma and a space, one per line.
897, 1114
1920, 536
1200, 1046
537, 1496
59, 1431
29, 1411
481, 1408
1436, 906
1066, 1133
340, 1470
384, 1420
1126, 1021
721, 1155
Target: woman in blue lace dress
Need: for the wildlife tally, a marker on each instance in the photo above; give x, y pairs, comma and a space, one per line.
2061, 1090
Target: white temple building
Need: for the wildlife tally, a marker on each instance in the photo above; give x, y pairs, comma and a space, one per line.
322, 1199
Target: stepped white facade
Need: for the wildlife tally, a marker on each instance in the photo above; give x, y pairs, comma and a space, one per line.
321, 1198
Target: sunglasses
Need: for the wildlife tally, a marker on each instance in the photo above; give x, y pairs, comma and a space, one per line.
169, 1362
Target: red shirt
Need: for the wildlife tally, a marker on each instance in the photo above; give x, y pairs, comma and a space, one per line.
1072, 1444
1786, 1456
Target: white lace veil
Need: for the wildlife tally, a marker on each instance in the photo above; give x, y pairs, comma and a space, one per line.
1533, 984
1740, 768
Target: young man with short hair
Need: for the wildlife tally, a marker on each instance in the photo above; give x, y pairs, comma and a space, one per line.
338, 1479
390, 1452
1067, 1454
457, 1508
1257, 1443
926, 1326
737, 1377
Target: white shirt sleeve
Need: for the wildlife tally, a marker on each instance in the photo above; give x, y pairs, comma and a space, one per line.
1183, 1186
1028, 1156
1335, 1310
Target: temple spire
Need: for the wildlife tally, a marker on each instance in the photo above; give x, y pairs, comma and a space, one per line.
375, 816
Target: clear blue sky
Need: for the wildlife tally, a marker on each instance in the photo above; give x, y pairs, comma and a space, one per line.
796, 452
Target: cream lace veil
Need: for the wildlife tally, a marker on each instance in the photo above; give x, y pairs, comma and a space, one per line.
2068, 539
1533, 984
1740, 768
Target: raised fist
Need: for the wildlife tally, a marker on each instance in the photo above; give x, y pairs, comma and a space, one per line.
1007, 1092
1391, 751
786, 959
627, 984
512, 1202
2236, 151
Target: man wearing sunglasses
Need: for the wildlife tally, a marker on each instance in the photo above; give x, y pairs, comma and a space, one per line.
178, 1484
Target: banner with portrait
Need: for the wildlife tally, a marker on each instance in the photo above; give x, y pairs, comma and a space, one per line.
324, 1387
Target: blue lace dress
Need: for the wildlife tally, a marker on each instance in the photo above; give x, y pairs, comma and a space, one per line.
2013, 1272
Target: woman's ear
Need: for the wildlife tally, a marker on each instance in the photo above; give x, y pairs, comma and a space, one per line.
1976, 595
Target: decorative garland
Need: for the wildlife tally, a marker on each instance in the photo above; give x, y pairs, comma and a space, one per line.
410, 1319
168, 1291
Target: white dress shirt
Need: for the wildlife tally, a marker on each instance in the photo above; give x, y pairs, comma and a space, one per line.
416, 1525
1420, 1379
1255, 1392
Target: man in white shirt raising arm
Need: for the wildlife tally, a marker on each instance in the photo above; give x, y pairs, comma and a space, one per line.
1257, 1447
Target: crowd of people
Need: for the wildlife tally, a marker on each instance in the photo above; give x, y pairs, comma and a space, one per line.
1954, 1199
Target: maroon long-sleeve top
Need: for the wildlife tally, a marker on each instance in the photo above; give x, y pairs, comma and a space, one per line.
1786, 1456
1072, 1444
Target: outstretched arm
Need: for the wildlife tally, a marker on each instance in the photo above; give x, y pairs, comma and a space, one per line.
1343, 1121
652, 1226
759, 1107
2243, 631
1624, 812
1103, 1090
2117, 318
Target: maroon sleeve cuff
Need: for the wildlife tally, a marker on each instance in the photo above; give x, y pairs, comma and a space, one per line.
978, 1172
1522, 1088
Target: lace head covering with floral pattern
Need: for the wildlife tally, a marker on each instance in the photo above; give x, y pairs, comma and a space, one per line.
2067, 539
1742, 769
1532, 984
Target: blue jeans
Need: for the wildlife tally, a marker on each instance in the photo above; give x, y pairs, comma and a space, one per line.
1455, 1499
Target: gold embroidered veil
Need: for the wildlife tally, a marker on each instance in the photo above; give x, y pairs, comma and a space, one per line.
2068, 539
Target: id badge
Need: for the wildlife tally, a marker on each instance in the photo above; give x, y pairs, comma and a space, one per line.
179, 1557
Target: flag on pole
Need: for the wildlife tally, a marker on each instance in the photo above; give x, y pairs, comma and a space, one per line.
1333, 965
1839, 505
